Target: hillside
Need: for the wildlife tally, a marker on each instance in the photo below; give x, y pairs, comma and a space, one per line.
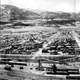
9, 12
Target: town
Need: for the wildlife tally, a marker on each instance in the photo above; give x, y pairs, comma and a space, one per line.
39, 46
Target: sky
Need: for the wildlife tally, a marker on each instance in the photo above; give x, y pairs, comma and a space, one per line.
47, 5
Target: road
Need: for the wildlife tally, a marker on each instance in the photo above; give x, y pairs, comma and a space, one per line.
75, 35
50, 39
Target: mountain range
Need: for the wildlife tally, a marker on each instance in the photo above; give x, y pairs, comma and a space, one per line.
10, 12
